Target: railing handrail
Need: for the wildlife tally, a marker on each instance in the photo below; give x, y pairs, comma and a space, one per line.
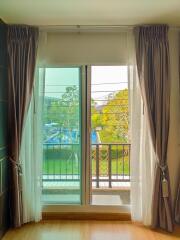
57, 144
123, 144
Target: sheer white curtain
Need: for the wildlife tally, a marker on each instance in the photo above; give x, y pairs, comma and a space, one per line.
31, 154
142, 154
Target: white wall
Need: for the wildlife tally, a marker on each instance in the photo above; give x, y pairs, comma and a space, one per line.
85, 48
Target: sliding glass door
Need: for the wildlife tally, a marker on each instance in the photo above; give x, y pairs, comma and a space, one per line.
86, 141
110, 139
62, 136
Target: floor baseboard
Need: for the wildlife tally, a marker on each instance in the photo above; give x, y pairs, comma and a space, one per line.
86, 216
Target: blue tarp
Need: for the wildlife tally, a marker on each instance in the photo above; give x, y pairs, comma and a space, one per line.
66, 136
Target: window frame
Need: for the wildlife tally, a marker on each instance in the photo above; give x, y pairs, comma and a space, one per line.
85, 205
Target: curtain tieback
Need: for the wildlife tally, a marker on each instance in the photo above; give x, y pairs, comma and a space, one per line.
17, 165
164, 181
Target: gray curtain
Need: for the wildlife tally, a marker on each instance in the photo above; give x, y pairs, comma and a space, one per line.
177, 207
22, 48
152, 55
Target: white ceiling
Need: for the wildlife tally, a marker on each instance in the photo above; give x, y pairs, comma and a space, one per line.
90, 12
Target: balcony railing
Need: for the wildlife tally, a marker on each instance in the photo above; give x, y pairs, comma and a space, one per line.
110, 164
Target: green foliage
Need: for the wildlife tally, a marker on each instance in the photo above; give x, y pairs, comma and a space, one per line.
65, 110
95, 117
113, 118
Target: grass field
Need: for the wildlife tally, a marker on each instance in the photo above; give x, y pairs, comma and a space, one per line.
72, 166
61, 160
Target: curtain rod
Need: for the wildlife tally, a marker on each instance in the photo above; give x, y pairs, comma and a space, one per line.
86, 28
89, 28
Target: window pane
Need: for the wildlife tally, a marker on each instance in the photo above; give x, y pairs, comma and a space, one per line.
110, 143
62, 136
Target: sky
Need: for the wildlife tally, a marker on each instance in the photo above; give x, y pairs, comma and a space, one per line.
104, 81
57, 79
107, 80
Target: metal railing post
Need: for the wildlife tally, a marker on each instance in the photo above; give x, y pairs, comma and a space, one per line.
97, 166
109, 165
129, 158
123, 161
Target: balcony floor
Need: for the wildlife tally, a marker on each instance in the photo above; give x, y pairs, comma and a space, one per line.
111, 197
67, 192
119, 198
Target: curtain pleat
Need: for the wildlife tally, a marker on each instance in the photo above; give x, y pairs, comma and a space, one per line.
22, 49
177, 207
152, 56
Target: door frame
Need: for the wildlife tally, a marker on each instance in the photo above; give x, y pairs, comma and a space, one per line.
85, 206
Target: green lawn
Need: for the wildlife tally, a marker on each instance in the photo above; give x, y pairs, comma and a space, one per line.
64, 160
71, 166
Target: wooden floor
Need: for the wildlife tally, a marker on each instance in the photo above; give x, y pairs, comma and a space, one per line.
88, 230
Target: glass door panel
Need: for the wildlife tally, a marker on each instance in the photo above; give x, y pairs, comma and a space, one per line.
110, 141
62, 136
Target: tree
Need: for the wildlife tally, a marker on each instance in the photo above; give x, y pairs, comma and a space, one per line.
95, 117
63, 115
64, 111
113, 118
